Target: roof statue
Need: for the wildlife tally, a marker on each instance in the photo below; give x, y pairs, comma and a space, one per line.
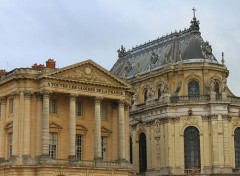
180, 46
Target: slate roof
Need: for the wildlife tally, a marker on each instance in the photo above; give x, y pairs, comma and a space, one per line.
184, 46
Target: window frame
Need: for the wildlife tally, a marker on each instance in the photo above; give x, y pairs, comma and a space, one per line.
11, 105
79, 108
53, 105
79, 148
53, 147
193, 84
104, 143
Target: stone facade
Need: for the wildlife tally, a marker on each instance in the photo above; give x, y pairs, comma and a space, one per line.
184, 119
71, 121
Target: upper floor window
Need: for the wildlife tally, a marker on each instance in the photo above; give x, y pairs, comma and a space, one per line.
145, 95
193, 88
53, 106
79, 108
79, 144
11, 105
216, 87
53, 145
159, 93
103, 110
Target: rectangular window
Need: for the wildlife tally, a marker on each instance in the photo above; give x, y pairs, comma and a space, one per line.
103, 111
11, 105
78, 108
10, 140
79, 143
104, 148
53, 106
53, 145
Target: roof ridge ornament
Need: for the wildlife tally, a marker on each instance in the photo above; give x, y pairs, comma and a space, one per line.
194, 23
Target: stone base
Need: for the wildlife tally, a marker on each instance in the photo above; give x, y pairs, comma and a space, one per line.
13, 160
43, 159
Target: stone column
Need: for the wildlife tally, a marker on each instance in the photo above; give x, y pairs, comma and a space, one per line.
127, 143
121, 131
215, 143
45, 124
39, 124
26, 124
72, 127
3, 101
97, 130
15, 144
226, 140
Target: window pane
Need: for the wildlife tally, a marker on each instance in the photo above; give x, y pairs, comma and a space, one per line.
11, 105
104, 148
79, 146
78, 108
192, 148
53, 106
193, 88
53, 145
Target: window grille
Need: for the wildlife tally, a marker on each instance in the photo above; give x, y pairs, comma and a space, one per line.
11, 106
79, 143
53, 145
53, 106
104, 148
79, 108
103, 111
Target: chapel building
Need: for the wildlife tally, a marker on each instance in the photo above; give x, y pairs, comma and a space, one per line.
183, 119
70, 121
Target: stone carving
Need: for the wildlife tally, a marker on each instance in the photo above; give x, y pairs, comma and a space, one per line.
190, 121
83, 74
235, 122
212, 83
207, 49
153, 60
157, 129
121, 52
150, 92
134, 99
224, 84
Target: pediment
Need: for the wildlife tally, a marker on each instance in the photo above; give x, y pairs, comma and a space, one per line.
81, 129
55, 127
87, 72
105, 131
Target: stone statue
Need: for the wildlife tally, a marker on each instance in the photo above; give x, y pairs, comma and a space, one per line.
134, 99
150, 92
224, 84
212, 84
121, 52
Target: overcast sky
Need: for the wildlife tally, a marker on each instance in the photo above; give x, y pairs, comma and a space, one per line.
71, 31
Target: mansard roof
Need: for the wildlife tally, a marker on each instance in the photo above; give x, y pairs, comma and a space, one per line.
185, 46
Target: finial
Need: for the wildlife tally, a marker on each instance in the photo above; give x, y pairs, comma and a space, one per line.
194, 10
223, 58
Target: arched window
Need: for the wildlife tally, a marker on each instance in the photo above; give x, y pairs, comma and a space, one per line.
142, 153
159, 93
131, 152
145, 95
193, 88
237, 147
192, 148
216, 87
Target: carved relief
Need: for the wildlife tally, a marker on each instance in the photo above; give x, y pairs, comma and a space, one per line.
224, 84
190, 121
235, 122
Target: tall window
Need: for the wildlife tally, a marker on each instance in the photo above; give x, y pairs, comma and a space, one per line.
145, 95
103, 110
216, 87
104, 148
193, 88
10, 141
237, 147
159, 93
142, 153
11, 105
78, 108
79, 143
53, 145
53, 106
192, 148
0, 110
131, 152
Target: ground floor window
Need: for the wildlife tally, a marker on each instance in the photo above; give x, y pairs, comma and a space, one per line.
104, 148
237, 147
53, 145
79, 143
142, 153
192, 148
10, 141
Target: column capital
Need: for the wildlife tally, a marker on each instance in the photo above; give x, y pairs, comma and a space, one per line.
15, 93
121, 102
98, 99
46, 93
39, 96
27, 94
72, 95
3, 100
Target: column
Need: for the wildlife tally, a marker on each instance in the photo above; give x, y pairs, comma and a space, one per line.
3, 101
39, 124
45, 124
215, 154
15, 141
72, 126
121, 131
126, 115
226, 141
97, 130
26, 124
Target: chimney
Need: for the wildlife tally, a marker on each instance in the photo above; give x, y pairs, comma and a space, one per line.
50, 63
2, 72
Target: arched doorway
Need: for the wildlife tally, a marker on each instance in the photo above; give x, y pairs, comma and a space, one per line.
192, 148
142, 153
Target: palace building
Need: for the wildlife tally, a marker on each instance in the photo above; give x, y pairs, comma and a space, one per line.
72, 121
183, 119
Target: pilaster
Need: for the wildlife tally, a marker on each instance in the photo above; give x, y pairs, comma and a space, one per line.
39, 124
3, 101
